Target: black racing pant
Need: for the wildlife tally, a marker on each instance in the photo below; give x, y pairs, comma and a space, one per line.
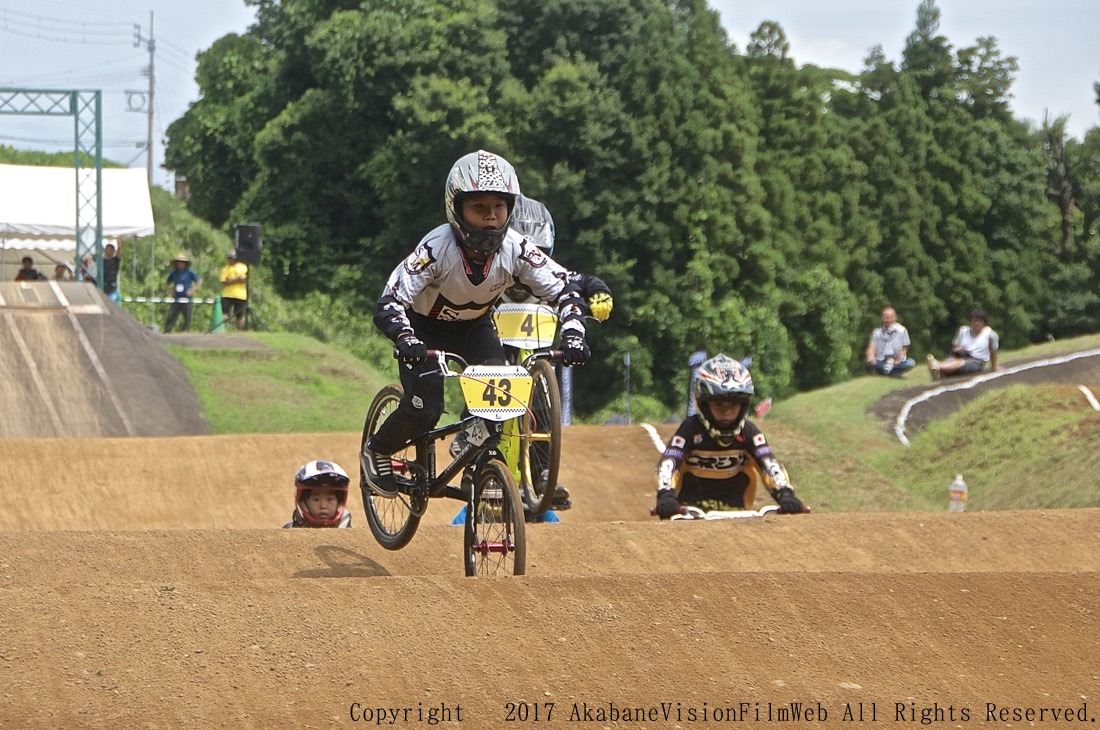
421, 407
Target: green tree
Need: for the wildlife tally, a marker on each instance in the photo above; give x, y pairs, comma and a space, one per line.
212, 144
733, 202
1073, 269
927, 54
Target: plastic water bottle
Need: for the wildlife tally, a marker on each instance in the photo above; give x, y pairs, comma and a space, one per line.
957, 494
888, 365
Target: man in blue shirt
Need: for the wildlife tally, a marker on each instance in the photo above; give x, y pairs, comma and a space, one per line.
182, 283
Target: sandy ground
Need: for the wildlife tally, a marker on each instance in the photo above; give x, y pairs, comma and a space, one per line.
145, 583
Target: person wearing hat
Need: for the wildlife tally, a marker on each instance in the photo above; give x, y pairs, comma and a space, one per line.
234, 279
182, 283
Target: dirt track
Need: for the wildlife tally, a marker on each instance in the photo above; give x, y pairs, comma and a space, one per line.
158, 613
158, 591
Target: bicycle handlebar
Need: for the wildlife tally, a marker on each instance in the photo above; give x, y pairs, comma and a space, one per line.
688, 512
552, 355
443, 357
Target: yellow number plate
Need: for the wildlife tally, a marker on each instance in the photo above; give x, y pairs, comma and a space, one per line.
527, 326
496, 392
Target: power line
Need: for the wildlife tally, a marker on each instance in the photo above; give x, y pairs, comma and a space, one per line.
61, 31
85, 67
175, 66
134, 159
90, 80
69, 142
84, 41
175, 61
189, 56
5, 12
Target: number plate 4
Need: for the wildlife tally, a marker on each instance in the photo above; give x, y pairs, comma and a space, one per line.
527, 326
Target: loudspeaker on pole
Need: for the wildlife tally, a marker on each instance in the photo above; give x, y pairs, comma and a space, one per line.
248, 243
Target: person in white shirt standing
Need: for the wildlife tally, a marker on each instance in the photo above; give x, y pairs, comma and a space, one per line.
888, 349
974, 345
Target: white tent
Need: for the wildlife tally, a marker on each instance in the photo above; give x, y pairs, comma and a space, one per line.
38, 206
38, 212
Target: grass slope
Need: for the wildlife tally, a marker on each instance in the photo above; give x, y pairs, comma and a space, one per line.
298, 385
1017, 448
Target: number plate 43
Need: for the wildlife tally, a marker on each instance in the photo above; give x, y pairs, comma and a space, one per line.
496, 392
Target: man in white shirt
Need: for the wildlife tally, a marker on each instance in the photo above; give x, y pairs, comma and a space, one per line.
888, 349
974, 345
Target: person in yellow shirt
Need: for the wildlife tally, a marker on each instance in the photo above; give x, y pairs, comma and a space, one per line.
234, 279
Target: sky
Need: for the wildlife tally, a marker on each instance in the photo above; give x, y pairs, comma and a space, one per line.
90, 44
1056, 42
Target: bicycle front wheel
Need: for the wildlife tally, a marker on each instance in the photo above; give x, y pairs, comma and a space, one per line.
392, 520
495, 539
542, 452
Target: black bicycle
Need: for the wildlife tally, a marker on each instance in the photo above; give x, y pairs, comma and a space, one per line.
494, 538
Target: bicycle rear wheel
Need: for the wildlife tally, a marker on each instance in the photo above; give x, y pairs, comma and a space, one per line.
542, 451
495, 539
392, 520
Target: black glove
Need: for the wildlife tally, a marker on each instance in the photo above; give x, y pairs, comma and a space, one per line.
788, 503
411, 351
575, 349
667, 504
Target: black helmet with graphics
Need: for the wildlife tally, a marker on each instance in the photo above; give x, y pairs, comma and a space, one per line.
473, 174
531, 219
321, 474
722, 378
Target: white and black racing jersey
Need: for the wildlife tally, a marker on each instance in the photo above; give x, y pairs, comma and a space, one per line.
438, 282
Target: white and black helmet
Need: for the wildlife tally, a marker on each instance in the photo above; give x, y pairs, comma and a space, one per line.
475, 173
531, 219
722, 378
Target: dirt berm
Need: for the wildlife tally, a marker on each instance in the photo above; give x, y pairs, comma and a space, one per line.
145, 583
75, 364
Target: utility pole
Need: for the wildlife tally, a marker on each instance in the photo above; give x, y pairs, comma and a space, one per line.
150, 43
149, 138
